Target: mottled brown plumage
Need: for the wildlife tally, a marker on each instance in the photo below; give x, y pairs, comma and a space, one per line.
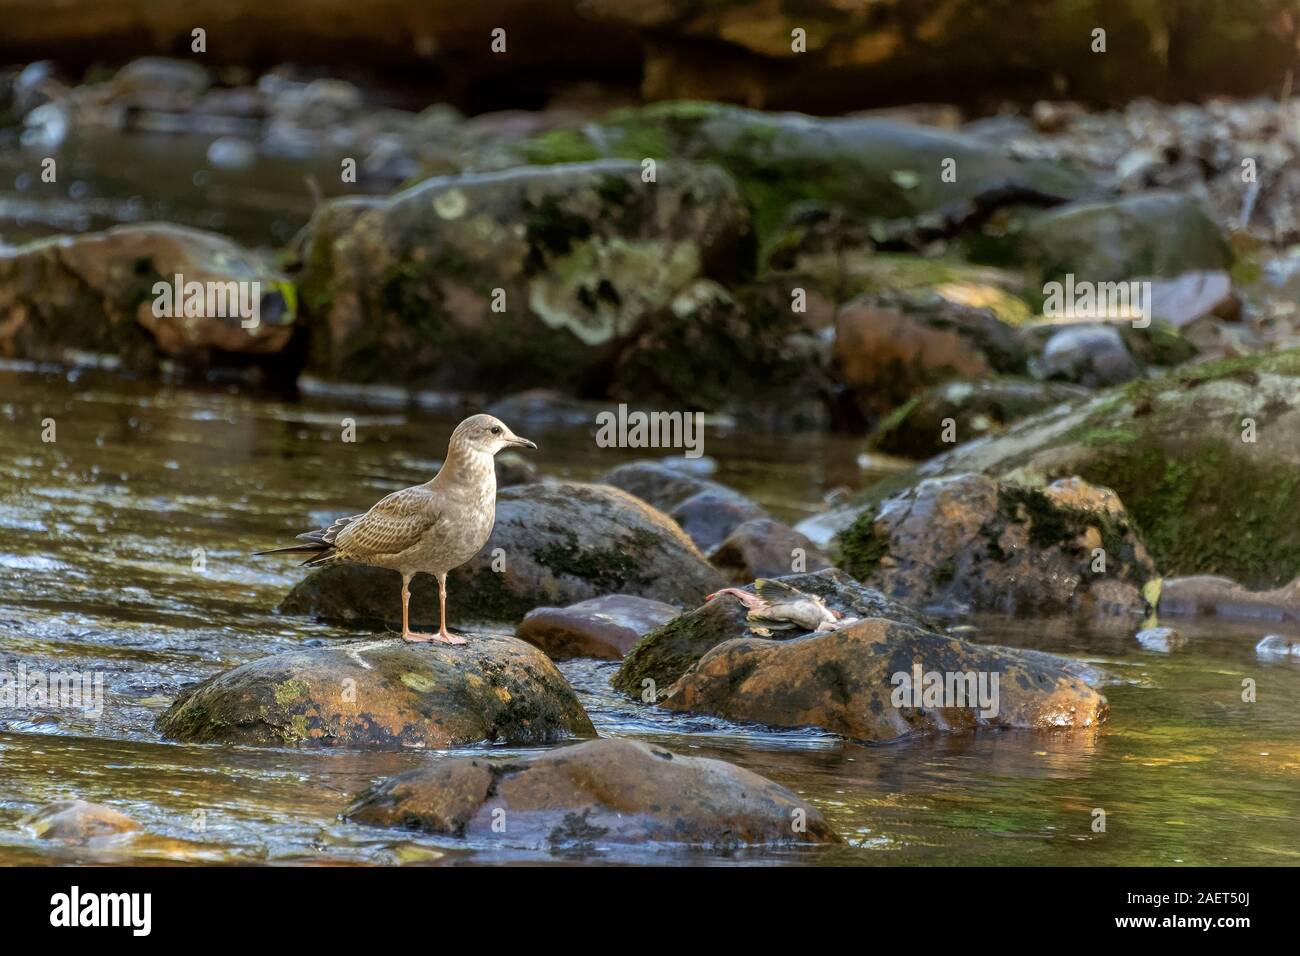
432, 527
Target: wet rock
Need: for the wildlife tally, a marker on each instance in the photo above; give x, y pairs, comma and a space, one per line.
1208, 596
514, 469
669, 651
797, 171
1162, 640
851, 682
78, 822
553, 544
605, 627
709, 517
602, 792
967, 541
1152, 234
530, 277
1178, 450
1090, 355
384, 695
975, 409
889, 348
96, 293
1278, 647
764, 548
706, 510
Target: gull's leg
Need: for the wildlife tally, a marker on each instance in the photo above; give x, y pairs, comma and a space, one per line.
407, 633
443, 635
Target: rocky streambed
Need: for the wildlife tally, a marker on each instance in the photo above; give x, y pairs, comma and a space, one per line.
961, 564
232, 732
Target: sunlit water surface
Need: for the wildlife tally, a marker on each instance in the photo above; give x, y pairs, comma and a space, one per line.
98, 532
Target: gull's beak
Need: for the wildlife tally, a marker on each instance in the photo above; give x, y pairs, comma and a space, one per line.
521, 442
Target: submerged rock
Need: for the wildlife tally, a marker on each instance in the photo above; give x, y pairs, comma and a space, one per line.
976, 409
95, 293
605, 627
968, 542
603, 792
384, 695
667, 652
1278, 646
524, 278
1208, 596
764, 548
553, 544
1161, 639
862, 682
1204, 458
78, 822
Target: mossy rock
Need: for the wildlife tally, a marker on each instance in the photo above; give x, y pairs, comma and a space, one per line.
846, 681
968, 542
95, 293
528, 277
553, 544
667, 652
1202, 497
384, 695
795, 170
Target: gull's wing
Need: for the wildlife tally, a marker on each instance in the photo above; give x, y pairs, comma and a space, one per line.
394, 524
774, 591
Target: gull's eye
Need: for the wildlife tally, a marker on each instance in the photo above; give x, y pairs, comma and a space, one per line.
496, 429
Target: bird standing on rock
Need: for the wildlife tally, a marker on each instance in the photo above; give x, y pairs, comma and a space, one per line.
432, 527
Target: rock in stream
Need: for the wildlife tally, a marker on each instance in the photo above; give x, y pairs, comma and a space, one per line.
601, 792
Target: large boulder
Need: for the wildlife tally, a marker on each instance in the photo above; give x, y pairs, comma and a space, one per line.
1205, 459
384, 695
868, 681
605, 627
95, 293
553, 544
968, 542
795, 170
601, 792
667, 652
522, 278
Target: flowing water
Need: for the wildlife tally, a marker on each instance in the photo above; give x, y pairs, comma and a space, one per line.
101, 531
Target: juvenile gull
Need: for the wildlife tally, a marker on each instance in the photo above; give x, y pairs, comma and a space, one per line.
432, 527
